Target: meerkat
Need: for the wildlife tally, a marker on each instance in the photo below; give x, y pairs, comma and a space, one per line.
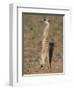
45, 42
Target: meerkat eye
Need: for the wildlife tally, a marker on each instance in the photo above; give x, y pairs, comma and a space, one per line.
44, 19
48, 20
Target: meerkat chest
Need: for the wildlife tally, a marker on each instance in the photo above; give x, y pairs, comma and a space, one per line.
46, 32
46, 36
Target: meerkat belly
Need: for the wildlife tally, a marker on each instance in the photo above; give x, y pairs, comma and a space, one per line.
45, 42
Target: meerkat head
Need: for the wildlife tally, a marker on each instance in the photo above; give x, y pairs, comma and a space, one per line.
46, 21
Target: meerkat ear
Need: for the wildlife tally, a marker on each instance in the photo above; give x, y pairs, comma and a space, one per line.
49, 21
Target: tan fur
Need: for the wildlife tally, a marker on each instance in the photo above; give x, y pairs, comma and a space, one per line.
45, 43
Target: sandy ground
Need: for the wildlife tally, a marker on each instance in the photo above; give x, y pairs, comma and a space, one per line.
32, 44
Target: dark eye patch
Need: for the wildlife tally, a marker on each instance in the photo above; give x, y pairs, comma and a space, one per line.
44, 19
49, 21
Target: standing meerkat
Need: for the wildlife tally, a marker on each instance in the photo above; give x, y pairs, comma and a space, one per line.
45, 42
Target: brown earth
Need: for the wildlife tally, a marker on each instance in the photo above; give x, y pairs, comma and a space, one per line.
32, 43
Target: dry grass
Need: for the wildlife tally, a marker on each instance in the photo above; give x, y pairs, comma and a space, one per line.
33, 31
